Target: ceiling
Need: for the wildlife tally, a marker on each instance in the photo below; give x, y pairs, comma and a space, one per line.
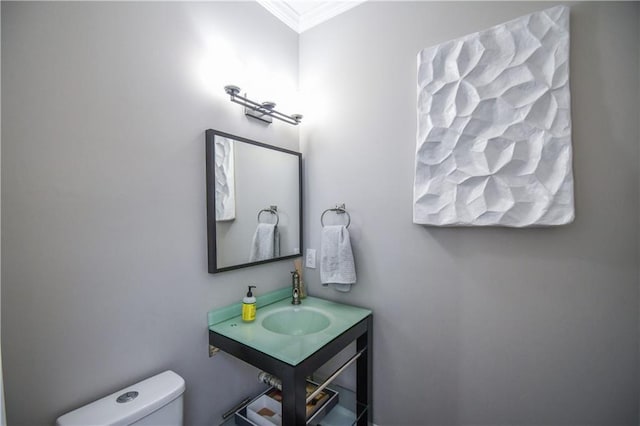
302, 15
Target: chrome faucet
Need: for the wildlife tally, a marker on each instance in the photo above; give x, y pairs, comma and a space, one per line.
295, 282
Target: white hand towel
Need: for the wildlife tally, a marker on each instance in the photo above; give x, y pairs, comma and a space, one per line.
336, 258
266, 242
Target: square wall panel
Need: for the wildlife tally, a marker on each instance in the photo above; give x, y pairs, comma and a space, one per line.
494, 127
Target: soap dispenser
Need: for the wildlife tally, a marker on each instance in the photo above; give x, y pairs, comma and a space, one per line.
249, 306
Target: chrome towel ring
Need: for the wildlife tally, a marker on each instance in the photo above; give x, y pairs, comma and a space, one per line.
273, 210
339, 209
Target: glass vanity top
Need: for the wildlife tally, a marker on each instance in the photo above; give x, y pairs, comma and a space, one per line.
287, 332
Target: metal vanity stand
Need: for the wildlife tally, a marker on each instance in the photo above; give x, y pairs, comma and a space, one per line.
294, 375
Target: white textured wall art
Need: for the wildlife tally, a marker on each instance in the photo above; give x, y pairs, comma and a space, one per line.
494, 127
225, 179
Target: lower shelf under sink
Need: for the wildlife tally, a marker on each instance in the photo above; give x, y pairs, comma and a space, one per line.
346, 412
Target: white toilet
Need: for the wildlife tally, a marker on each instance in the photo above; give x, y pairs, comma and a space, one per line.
156, 401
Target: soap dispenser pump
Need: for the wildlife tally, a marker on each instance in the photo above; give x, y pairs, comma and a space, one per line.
249, 306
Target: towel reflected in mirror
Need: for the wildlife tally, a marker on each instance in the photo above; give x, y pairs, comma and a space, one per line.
265, 243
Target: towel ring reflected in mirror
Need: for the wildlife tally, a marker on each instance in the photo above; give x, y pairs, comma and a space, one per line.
273, 210
339, 210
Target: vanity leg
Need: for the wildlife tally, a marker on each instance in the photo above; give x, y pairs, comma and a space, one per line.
364, 368
294, 395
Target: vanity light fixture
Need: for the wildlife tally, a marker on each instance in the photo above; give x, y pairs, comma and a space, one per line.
262, 111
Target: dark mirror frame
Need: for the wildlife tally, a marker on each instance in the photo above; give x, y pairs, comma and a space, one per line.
210, 135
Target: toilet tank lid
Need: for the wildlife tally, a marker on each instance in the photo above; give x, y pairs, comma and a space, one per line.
153, 393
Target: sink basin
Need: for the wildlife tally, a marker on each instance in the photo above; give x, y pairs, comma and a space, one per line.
286, 332
296, 321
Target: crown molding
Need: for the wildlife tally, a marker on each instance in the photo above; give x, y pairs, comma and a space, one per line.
283, 12
302, 22
326, 11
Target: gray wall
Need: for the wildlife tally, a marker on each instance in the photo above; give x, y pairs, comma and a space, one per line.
480, 326
2, 409
103, 187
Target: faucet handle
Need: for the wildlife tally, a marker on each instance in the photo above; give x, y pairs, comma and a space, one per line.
295, 282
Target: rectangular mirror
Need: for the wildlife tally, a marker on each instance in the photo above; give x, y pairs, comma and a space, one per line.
254, 202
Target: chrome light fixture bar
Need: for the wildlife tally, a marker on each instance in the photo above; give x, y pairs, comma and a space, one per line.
264, 111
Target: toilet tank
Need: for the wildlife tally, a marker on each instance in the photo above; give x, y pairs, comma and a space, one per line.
155, 401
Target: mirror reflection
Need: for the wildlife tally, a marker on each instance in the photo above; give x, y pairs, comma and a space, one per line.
254, 203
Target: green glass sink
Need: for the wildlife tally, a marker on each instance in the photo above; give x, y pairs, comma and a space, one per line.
287, 332
296, 321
